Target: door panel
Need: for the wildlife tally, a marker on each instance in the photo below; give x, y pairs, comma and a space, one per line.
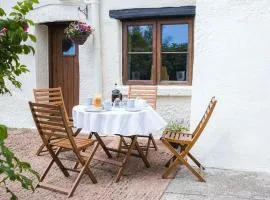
64, 65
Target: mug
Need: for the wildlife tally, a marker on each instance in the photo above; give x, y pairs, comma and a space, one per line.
107, 104
140, 103
131, 103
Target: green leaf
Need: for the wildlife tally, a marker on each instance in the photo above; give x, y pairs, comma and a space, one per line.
2, 12
32, 37
3, 132
25, 165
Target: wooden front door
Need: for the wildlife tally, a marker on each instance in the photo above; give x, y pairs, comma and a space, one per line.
64, 65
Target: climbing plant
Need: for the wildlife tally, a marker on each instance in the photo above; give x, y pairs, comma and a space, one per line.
13, 43
14, 38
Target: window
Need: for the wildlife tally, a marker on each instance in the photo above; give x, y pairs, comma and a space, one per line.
158, 51
68, 47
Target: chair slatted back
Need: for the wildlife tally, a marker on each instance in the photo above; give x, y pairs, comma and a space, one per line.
51, 121
148, 93
203, 122
50, 95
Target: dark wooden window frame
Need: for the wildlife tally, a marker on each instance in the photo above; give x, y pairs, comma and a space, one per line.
156, 59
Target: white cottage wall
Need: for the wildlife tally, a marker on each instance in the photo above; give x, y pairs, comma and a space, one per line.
232, 62
173, 101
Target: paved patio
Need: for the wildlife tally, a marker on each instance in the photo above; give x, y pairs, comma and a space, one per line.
221, 184
141, 183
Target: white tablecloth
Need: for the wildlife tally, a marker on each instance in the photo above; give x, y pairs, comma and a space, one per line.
119, 121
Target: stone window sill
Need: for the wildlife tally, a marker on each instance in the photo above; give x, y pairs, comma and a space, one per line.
177, 91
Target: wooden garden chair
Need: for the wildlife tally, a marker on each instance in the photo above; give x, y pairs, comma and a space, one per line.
186, 141
52, 96
148, 93
51, 120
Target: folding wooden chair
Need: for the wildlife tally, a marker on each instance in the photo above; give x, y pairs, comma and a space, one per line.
148, 93
172, 139
52, 96
51, 120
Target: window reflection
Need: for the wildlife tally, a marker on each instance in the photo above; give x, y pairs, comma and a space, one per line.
174, 55
140, 39
68, 47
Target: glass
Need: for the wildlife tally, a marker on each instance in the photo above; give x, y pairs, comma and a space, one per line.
117, 102
68, 47
139, 66
174, 37
174, 67
140, 38
97, 101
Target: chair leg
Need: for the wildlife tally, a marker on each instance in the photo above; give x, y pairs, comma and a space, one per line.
121, 169
77, 132
90, 135
196, 161
40, 149
180, 159
57, 161
88, 171
85, 169
76, 165
170, 161
171, 168
193, 171
50, 165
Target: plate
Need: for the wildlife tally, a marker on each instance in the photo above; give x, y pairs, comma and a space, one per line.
94, 110
133, 109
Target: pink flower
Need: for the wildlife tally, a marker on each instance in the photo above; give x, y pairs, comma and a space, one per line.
25, 27
4, 30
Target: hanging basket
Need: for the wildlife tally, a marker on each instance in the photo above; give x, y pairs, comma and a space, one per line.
80, 39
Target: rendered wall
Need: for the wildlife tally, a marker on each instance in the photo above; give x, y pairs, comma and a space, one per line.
232, 62
173, 101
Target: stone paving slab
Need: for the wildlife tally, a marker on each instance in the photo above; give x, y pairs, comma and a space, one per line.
221, 184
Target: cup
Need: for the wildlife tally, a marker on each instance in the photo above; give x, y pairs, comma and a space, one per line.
89, 101
131, 103
107, 104
141, 103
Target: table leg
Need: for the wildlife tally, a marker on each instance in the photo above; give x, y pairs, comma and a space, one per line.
102, 144
131, 147
142, 154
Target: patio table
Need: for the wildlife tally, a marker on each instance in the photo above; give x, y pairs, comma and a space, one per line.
122, 122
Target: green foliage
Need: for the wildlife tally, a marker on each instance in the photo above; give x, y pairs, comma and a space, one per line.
12, 169
13, 38
176, 126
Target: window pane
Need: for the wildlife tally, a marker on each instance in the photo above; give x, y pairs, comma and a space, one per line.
68, 47
174, 37
140, 38
174, 66
139, 66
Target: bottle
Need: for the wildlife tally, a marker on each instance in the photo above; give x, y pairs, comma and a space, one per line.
116, 93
